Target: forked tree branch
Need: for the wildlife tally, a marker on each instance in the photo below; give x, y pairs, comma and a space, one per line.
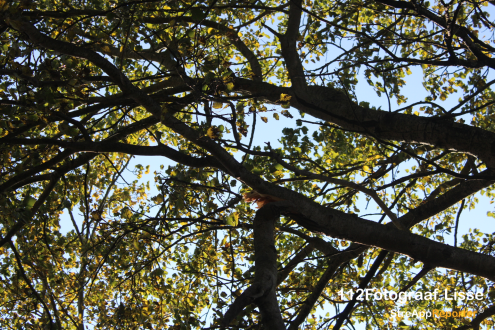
262, 291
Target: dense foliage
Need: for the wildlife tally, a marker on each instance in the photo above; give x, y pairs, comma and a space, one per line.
241, 102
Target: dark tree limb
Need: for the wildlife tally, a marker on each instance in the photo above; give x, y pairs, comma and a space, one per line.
288, 44
30, 285
475, 323
262, 291
386, 264
388, 237
27, 215
420, 275
334, 106
442, 202
335, 261
298, 258
309, 303
323, 246
130, 149
6, 186
457, 221
364, 283
27, 176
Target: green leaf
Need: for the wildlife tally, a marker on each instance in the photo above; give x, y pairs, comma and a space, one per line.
231, 220
29, 201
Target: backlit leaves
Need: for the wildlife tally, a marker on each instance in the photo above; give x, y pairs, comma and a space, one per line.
157, 242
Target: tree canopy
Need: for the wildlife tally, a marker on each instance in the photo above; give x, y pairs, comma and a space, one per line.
242, 102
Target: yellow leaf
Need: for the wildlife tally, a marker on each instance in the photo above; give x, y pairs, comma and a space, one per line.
285, 97
158, 199
231, 220
265, 120
105, 49
212, 132
366, 168
126, 213
217, 105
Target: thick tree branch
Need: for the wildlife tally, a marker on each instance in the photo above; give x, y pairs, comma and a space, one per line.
442, 202
334, 106
336, 224
262, 292
288, 43
28, 175
108, 146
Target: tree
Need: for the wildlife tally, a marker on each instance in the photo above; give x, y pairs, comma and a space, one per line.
88, 86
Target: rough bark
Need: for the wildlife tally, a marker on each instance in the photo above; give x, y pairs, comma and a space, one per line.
262, 291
